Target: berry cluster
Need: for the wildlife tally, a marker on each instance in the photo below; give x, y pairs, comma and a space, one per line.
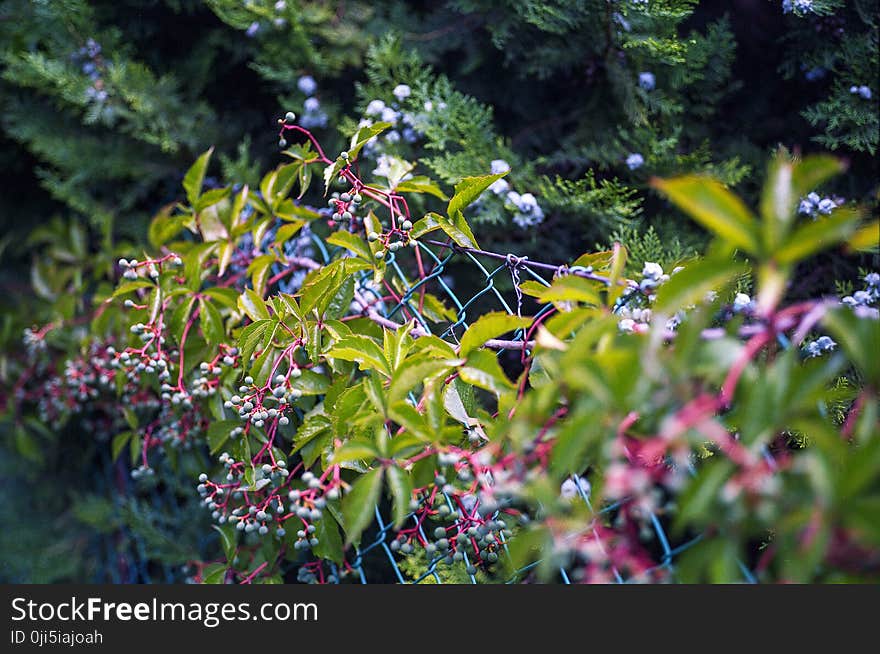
813, 205
92, 63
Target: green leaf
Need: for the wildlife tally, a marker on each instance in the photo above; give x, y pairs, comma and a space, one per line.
358, 141
420, 184
259, 272
355, 450
484, 371
192, 181
702, 492
218, 433
312, 383
363, 135
425, 225
778, 201
212, 197
329, 545
434, 310
818, 235
312, 427
128, 287
457, 229
164, 226
709, 203
413, 373
250, 337
253, 305
362, 350
119, 443
691, 285
214, 573
400, 485
288, 231
212, 323
867, 238
488, 326
323, 287
813, 171
227, 541
352, 243
468, 190
359, 504
228, 297
859, 338
134, 448
571, 288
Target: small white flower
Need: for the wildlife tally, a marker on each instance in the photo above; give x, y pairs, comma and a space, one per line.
499, 186
814, 198
826, 343
647, 80
652, 270
389, 115
499, 166
627, 325
307, 84
571, 489
401, 91
826, 206
741, 302
862, 297
429, 106
635, 160
374, 108
311, 104
806, 207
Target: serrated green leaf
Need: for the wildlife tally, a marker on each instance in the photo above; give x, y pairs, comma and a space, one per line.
119, 443
483, 371
359, 505
218, 433
400, 486
253, 305
352, 243
709, 203
363, 350
212, 322
691, 285
192, 181
818, 235
489, 326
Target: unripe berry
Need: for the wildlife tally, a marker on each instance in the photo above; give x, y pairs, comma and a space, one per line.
282, 143
289, 117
